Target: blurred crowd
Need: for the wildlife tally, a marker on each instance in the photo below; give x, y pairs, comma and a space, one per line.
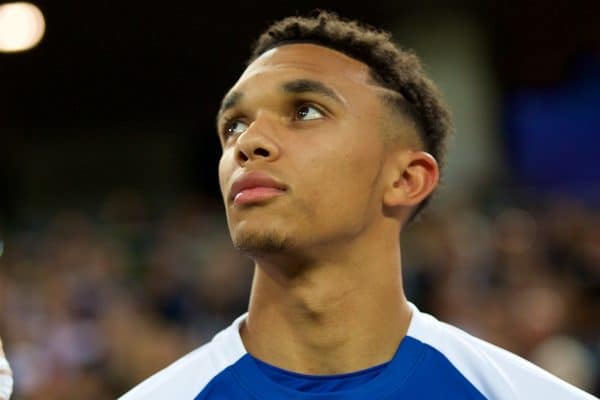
93, 302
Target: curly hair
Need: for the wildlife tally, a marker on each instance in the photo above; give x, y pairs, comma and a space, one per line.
410, 92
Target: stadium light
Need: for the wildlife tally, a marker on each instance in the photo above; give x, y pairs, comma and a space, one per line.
22, 26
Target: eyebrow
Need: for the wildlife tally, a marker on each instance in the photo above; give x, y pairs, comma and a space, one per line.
230, 101
311, 86
296, 86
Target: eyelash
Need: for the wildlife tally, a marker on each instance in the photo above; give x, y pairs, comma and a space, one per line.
298, 106
228, 121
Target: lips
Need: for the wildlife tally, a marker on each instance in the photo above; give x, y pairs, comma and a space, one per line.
254, 187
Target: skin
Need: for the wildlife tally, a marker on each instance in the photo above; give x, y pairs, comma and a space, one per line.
327, 294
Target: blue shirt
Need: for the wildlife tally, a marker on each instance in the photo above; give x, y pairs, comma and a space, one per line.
317, 383
433, 361
417, 371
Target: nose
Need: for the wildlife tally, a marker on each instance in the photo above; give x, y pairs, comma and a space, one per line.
258, 142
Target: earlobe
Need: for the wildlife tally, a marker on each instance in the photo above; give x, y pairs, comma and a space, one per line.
414, 176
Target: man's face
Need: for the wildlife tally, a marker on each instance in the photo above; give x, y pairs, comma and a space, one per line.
302, 151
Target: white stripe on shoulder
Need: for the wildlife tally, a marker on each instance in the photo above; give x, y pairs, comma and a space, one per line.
495, 372
186, 377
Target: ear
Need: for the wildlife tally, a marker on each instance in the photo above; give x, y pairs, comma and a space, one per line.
413, 176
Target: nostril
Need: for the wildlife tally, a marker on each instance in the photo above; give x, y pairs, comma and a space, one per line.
261, 152
242, 156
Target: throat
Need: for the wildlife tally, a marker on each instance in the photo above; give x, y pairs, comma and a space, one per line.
331, 326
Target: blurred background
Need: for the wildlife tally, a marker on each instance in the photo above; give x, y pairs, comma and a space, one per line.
114, 253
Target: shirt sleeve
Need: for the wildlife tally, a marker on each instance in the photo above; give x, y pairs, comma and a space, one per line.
6, 378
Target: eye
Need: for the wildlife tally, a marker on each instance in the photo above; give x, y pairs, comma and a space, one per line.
307, 112
235, 127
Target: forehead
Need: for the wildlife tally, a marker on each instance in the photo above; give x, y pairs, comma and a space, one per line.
306, 60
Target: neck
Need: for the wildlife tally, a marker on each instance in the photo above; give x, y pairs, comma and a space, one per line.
331, 317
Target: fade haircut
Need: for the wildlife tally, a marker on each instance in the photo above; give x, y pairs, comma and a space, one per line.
410, 92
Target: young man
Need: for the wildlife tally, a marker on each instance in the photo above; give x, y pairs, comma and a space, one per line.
332, 140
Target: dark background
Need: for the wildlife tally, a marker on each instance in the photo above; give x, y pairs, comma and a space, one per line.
125, 93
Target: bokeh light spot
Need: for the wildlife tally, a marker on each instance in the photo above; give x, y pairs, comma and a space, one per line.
22, 26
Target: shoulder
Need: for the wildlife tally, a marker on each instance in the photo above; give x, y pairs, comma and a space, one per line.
493, 371
186, 377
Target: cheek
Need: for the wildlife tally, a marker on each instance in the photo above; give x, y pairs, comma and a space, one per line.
355, 157
346, 173
225, 169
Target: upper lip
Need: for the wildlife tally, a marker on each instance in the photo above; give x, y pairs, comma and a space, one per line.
251, 180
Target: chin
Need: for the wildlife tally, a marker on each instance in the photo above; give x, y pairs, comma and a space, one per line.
260, 242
